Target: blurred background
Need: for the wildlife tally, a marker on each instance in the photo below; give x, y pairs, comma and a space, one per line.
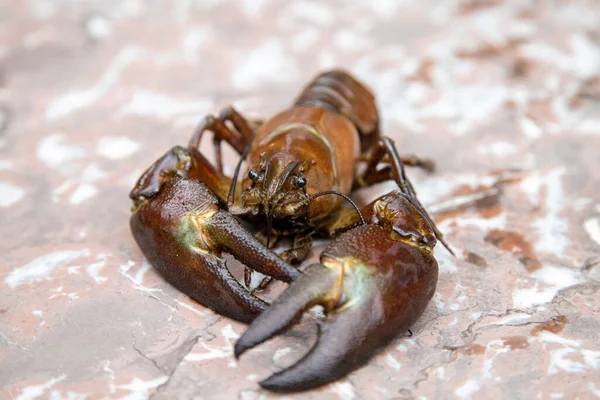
504, 95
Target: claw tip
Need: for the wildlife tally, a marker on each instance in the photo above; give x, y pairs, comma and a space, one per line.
239, 349
272, 385
285, 383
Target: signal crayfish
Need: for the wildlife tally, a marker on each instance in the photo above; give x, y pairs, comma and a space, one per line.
375, 278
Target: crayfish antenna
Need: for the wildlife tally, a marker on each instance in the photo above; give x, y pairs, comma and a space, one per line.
446, 245
311, 288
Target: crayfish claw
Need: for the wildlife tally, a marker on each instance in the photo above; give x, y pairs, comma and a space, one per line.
373, 281
182, 228
172, 231
209, 281
236, 240
311, 288
350, 333
345, 342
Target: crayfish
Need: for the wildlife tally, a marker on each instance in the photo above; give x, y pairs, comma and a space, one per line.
373, 281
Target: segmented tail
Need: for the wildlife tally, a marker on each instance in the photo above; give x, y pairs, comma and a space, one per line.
340, 92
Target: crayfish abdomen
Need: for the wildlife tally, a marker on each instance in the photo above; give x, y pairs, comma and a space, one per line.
338, 91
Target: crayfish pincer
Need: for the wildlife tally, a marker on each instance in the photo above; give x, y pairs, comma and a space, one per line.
373, 282
181, 227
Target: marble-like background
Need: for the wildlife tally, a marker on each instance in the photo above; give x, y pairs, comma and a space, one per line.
91, 92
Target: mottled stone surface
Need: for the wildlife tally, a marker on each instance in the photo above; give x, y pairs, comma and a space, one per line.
505, 96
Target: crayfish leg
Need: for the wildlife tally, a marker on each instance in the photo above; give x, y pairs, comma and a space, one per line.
300, 248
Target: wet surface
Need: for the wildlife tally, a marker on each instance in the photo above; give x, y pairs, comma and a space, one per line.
504, 96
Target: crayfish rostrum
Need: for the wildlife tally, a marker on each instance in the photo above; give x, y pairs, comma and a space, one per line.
375, 278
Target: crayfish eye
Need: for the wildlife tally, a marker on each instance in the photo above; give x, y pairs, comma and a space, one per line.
301, 182
252, 174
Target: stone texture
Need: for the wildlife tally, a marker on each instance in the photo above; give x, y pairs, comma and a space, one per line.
505, 96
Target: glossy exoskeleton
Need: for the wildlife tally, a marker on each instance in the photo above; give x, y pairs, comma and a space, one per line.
375, 278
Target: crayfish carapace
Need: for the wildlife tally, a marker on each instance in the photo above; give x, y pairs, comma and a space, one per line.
373, 281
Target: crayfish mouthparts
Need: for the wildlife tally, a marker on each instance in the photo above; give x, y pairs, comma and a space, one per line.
373, 285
